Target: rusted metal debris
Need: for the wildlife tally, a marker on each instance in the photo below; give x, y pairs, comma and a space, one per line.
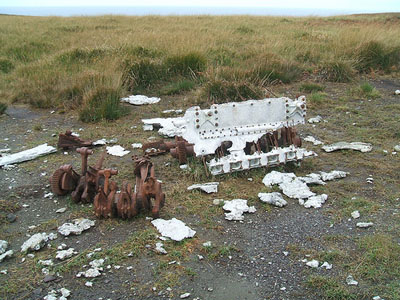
179, 149
67, 141
129, 203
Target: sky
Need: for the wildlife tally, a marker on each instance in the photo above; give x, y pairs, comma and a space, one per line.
370, 5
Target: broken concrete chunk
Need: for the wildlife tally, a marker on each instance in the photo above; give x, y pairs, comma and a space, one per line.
140, 100
314, 201
3, 246
350, 280
167, 126
117, 150
174, 229
274, 198
295, 188
209, 187
313, 140
218, 202
276, 177
47, 262
6, 254
175, 111
97, 263
313, 263
397, 148
312, 178
26, 155
37, 241
333, 175
316, 119
326, 265
61, 210
363, 147
184, 296
236, 208
355, 214
64, 254
137, 146
102, 142
76, 228
160, 248
397, 92
364, 224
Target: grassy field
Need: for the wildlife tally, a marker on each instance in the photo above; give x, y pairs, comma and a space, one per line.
86, 62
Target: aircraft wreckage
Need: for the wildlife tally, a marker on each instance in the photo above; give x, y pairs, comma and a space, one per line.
239, 136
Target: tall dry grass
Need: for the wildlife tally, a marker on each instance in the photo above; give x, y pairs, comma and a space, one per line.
54, 61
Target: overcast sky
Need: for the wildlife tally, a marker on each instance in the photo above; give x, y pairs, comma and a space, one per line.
370, 5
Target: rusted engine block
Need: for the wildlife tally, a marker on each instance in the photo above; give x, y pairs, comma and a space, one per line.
67, 141
179, 149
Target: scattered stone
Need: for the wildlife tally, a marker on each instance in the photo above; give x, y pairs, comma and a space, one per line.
313, 263
175, 111
37, 241
64, 254
316, 119
326, 265
350, 280
364, 224
117, 150
295, 188
355, 214
276, 177
48, 195
378, 297
200, 257
314, 201
137, 146
103, 142
274, 198
27, 155
397, 148
174, 229
184, 296
11, 218
140, 100
218, 202
184, 167
333, 175
3, 246
62, 246
61, 210
397, 92
47, 262
370, 180
4, 272
6, 254
236, 208
160, 248
207, 244
209, 187
363, 147
147, 127
313, 140
76, 228
89, 283
49, 278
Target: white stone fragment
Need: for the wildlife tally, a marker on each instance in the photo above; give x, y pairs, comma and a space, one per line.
76, 228
64, 254
218, 201
363, 147
184, 296
313, 263
326, 265
397, 148
47, 262
168, 126
117, 150
102, 142
316, 119
48, 195
90, 273
312, 178
397, 92
37, 241
89, 283
378, 297
364, 224
140, 100
137, 146
184, 167
26, 155
61, 210
313, 140
209, 187
274, 198
4, 272
207, 244
174, 229
355, 214
62, 247
97, 263
160, 248
333, 175
6, 254
315, 201
236, 208
3, 246
147, 127
52, 295
350, 280
295, 188
175, 111
276, 177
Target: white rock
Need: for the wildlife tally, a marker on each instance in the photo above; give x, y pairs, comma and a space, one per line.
363, 147
37, 241
47, 262
218, 201
333, 175
378, 297
102, 142
313, 140
276, 177
312, 178
52, 295
62, 246
355, 214
175, 111
160, 248
4, 272
61, 210
184, 296
326, 265
315, 201
140, 100
48, 195
209, 187
274, 198
397, 92
364, 224
97, 263
174, 229
168, 126
207, 244
3, 246
117, 150
27, 155
236, 208
89, 283
350, 280
137, 146
64, 254
6, 254
295, 188
147, 127
397, 148
316, 119
184, 167
90, 273
64, 292
313, 263
76, 228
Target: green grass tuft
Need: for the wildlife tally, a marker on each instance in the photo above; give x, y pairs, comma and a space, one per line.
177, 87
331, 289
6, 66
310, 87
337, 71
365, 91
3, 108
186, 64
